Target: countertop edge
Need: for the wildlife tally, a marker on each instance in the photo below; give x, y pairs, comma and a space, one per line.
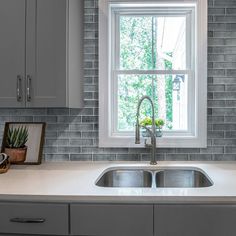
120, 200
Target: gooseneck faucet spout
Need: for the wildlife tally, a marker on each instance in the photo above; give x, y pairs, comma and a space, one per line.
151, 132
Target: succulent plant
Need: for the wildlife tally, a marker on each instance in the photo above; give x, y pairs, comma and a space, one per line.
159, 123
148, 121
17, 137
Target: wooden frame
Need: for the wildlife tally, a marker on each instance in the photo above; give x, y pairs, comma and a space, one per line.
35, 140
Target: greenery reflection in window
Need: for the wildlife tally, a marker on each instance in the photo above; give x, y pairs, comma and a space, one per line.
152, 50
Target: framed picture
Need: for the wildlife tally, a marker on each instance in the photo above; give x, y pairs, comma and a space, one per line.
23, 142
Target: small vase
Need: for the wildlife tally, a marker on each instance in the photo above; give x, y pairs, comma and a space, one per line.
16, 155
146, 134
159, 133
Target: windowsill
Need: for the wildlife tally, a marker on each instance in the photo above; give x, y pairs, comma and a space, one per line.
162, 142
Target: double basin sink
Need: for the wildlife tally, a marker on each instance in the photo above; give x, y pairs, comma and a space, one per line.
158, 178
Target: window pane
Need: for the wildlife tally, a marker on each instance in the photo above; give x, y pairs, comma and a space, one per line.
169, 93
152, 42
136, 43
170, 43
130, 89
171, 101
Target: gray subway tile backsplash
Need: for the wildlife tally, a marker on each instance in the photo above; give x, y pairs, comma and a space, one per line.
81, 157
201, 157
72, 134
104, 157
215, 11
176, 157
224, 157
56, 157
129, 157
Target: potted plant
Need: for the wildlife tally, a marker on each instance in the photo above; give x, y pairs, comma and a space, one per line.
147, 121
15, 146
159, 125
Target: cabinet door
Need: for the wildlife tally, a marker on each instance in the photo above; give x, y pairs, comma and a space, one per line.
34, 218
194, 220
112, 220
12, 53
46, 52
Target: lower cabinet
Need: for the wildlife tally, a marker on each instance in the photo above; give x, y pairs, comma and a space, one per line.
111, 220
35, 218
117, 219
195, 220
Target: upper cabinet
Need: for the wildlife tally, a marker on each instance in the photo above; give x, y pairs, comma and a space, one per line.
12, 52
41, 53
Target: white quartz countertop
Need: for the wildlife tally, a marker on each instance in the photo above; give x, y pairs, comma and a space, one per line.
75, 182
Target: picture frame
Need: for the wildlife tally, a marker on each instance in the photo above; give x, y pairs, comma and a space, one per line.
31, 134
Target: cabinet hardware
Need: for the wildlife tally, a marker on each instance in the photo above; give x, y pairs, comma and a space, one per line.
27, 220
19, 88
28, 89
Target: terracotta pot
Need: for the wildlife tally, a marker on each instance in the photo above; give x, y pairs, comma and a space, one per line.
16, 155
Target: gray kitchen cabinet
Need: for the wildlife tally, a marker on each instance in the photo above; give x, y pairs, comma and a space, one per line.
116, 219
12, 52
34, 218
111, 220
44, 66
194, 220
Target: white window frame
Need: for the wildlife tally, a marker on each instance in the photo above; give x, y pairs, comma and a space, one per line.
108, 136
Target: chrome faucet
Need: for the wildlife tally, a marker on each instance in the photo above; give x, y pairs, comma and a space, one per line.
151, 132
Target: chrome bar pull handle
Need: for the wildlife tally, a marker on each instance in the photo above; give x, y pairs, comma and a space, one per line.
28, 88
27, 220
19, 88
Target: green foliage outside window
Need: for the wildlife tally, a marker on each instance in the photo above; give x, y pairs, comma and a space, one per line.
169, 94
137, 40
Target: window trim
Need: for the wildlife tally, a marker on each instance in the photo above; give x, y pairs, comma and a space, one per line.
106, 139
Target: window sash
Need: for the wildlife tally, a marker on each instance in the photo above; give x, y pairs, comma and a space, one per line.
115, 13
190, 105
187, 12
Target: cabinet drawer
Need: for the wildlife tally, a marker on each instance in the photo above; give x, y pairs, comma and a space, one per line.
112, 220
29, 218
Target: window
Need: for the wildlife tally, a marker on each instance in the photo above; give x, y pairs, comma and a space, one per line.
156, 49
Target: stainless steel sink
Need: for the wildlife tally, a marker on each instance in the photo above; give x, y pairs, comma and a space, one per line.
179, 178
154, 178
126, 178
